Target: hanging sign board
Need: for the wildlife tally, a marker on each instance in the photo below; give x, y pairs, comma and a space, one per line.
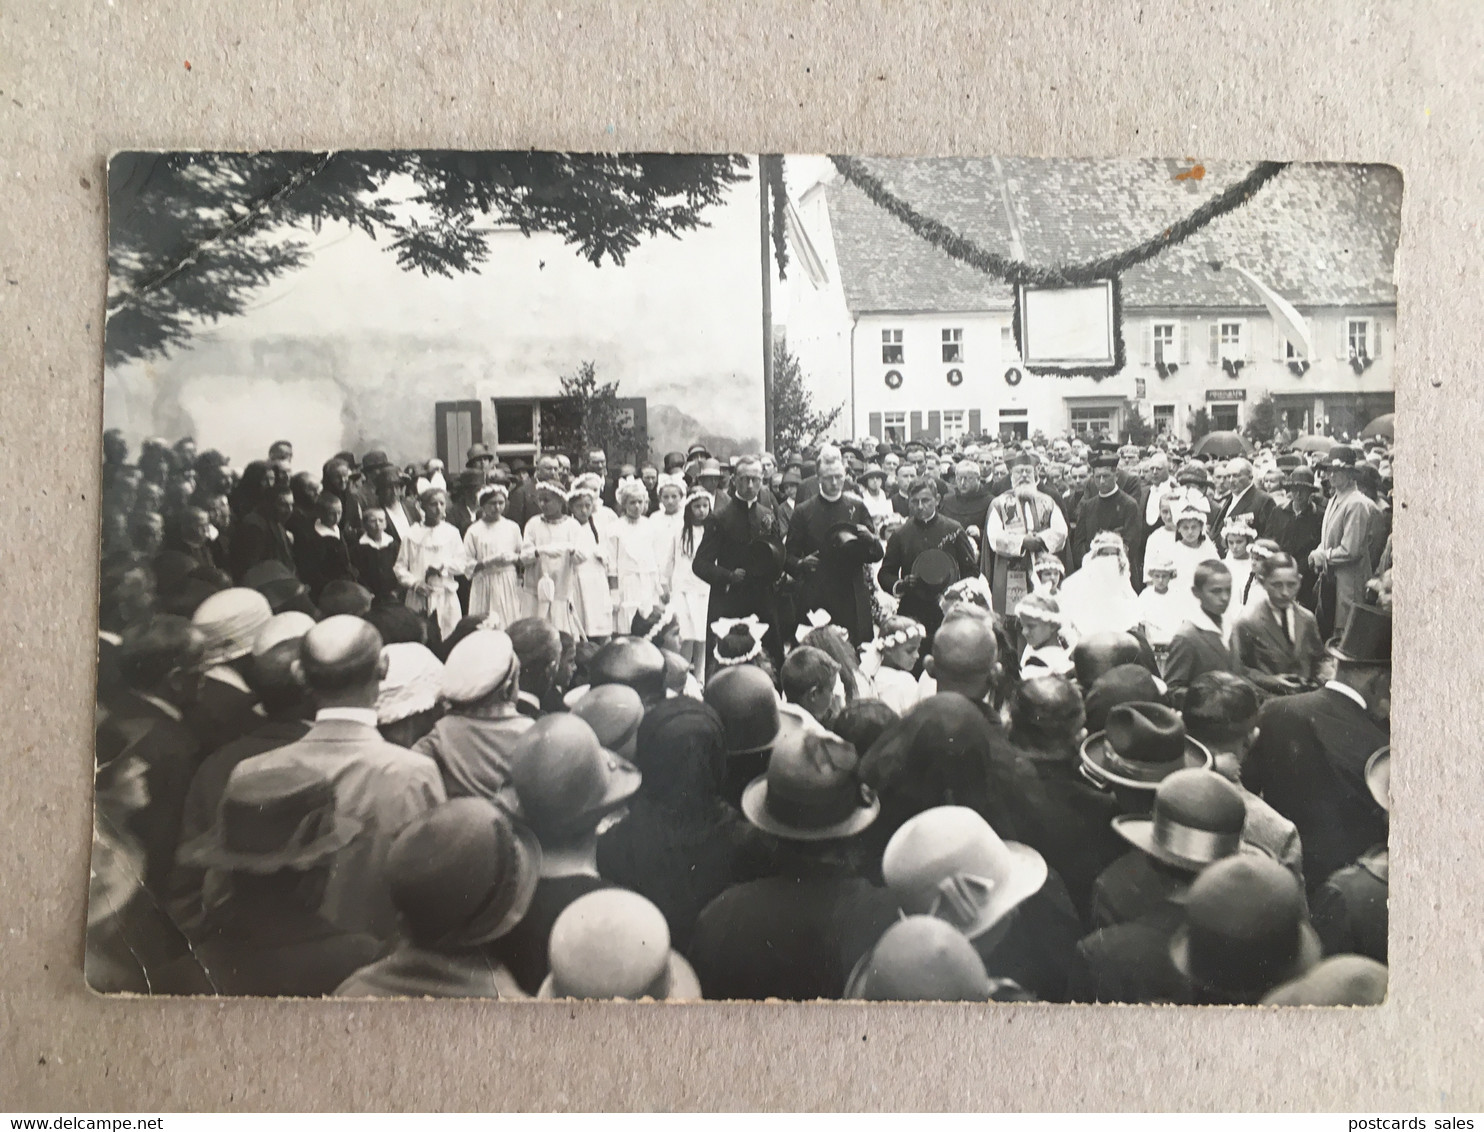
1068, 328
1226, 395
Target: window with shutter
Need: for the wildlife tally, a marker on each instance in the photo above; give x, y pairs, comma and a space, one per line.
935, 423
1343, 352
1148, 358
1216, 343
873, 424
1184, 339
916, 425
974, 428
1375, 338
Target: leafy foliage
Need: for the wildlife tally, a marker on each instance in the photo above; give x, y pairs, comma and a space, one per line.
1136, 428
594, 419
194, 235
1200, 424
1263, 420
796, 422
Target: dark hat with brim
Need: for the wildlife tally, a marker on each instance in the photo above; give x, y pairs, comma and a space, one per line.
847, 541
1140, 746
935, 569
1300, 477
763, 560
1246, 929
271, 819
811, 791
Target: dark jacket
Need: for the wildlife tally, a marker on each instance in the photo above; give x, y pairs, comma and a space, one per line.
1118, 512
1130, 962
375, 567
1264, 651
837, 584
793, 937
1036, 950
1255, 502
1349, 910
322, 559
260, 539
1195, 650
724, 548
1309, 764
523, 949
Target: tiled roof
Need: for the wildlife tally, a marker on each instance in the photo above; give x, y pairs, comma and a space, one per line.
1319, 234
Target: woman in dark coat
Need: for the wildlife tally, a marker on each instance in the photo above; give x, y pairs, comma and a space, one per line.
681, 845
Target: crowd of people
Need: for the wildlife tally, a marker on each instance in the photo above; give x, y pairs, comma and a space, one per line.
1016, 720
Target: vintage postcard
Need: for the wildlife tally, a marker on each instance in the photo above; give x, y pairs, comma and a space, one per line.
535, 575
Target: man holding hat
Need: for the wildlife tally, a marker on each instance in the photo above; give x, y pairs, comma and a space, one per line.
830, 540
380, 785
1312, 748
927, 537
741, 558
1343, 557
797, 933
1022, 523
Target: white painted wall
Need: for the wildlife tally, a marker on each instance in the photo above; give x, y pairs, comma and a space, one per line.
351, 351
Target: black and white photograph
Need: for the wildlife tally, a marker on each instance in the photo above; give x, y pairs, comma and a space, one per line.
536, 575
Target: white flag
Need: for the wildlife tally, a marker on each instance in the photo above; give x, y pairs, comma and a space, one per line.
1290, 323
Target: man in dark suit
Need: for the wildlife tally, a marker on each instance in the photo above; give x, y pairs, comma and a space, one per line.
1246, 499
1310, 756
728, 552
832, 577
522, 507
1297, 527
263, 536
1108, 508
1277, 641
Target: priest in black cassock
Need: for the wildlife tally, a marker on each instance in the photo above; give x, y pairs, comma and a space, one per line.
728, 558
832, 578
1108, 508
925, 530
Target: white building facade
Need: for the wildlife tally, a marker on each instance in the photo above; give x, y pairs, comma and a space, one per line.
920, 346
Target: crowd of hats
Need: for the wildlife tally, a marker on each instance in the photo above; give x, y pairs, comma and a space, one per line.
463, 874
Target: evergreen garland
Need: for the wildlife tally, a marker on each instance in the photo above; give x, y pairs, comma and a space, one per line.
1073, 275
772, 170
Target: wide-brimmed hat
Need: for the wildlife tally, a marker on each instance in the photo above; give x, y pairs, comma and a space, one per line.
478, 452
709, 469
1197, 820
1141, 745
462, 874
276, 582
565, 779
1300, 477
1341, 458
1193, 474
1378, 777
230, 620
934, 569
746, 702
1340, 980
1366, 639
615, 944
812, 790
271, 818
374, 460
1245, 928
947, 862
281, 627
920, 959
872, 471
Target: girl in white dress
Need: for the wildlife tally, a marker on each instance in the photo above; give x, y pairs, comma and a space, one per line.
551, 581
667, 523
495, 546
429, 564
689, 594
592, 574
637, 557
889, 661
1238, 534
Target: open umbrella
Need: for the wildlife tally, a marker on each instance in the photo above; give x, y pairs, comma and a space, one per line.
1384, 425
1314, 443
1222, 445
